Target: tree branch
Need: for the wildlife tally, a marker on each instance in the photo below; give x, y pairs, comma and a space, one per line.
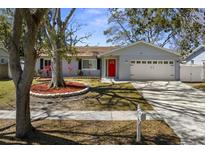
168, 38
65, 23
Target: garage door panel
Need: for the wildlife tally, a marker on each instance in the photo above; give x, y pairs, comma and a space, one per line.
162, 70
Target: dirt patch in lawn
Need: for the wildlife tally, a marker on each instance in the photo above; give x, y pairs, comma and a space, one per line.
90, 132
200, 86
43, 88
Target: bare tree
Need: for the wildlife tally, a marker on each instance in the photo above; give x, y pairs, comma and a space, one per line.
22, 79
55, 32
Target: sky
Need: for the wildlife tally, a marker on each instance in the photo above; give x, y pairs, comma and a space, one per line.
93, 21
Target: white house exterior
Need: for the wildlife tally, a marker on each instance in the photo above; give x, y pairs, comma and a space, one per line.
193, 69
4, 59
197, 56
3, 56
141, 61
85, 63
138, 61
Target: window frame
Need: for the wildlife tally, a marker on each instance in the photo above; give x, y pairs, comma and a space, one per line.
154, 62
149, 62
171, 62
166, 62
82, 67
160, 62
2, 61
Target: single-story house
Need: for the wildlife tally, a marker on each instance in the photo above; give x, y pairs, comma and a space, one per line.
197, 56
140, 61
4, 70
84, 63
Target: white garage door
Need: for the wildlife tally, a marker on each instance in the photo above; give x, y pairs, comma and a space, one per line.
152, 70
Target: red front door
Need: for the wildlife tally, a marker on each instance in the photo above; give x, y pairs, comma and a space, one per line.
111, 67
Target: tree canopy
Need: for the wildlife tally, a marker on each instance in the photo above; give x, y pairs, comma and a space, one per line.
173, 28
5, 28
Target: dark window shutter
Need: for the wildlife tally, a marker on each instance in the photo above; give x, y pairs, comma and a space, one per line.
79, 64
46, 62
49, 62
98, 63
41, 63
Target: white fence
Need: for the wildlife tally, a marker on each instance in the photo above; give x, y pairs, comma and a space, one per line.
192, 73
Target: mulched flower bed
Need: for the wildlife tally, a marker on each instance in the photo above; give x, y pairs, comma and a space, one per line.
70, 87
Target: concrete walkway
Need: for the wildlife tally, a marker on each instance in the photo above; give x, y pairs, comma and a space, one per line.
80, 115
110, 80
180, 105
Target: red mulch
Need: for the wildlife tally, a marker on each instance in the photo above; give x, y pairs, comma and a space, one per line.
70, 87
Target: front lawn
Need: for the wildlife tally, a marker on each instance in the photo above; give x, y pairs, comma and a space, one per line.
102, 96
109, 96
90, 132
7, 94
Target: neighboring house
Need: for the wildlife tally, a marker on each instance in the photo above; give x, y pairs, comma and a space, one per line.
193, 67
197, 56
85, 63
140, 61
4, 71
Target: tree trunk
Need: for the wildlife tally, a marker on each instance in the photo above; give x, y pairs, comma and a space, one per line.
23, 121
57, 73
22, 78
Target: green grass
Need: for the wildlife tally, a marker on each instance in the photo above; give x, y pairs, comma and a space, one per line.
108, 96
7, 94
102, 96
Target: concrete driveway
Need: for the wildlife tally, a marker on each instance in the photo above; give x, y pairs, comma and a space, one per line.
180, 105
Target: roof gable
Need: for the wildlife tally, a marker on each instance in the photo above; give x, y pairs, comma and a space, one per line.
200, 49
141, 43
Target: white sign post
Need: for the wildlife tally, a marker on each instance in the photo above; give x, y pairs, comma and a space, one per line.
140, 116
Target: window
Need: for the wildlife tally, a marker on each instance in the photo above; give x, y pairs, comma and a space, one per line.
41, 63
143, 62
171, 62
132, 62
89, 64
2, 61
165, 62
149, 62
138, 62
160, 62
47, 62
154, 62
192, 61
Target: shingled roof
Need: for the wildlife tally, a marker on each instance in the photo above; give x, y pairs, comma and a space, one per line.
93, 50
88, 51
